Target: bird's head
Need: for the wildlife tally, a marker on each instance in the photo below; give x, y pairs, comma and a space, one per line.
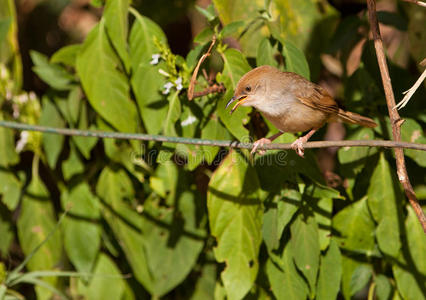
251, 90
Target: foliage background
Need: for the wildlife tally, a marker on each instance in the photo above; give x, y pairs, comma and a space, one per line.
201, 222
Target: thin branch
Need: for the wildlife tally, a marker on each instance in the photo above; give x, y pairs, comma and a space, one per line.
411, 91
421, 3
393, 114
205, 142
197, 68
215, 88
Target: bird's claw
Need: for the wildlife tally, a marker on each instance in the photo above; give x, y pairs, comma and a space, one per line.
297, 146
259, 143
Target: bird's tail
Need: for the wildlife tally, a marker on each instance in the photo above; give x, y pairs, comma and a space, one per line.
354, 118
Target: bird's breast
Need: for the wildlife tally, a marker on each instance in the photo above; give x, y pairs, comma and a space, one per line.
292, 116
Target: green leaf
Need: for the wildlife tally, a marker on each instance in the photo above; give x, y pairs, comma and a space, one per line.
231, 28
80, 226
265, 54
10, 189
105, 283
173, 114
382, 201
354, 154
173, 248
35, 222
213, 130
53, 74
73, 165
146, 81
107, 89
8, 155
204, 36
322, 213
209, 12
4, 28
383, 287
141, 43
6, 233
349, 264
410, 271
235, 215
205, 286
234, 68
297, 21
52, 143
286, 282
412, 132
278, 215
66, 55
330, 273
84, 144
153, 106
115, 14
295, 60
114, 187
360, 277
306, 248
355, 228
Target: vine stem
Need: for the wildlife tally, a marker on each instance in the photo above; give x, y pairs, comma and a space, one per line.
206, 142
395, 119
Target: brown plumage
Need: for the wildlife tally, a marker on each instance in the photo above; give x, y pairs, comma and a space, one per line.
292, 103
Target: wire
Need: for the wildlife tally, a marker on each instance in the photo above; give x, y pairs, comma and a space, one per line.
206, 142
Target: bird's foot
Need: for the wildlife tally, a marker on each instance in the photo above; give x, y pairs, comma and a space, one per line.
297, 146
260, 143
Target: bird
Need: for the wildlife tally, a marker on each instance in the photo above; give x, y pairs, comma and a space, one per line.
291, 103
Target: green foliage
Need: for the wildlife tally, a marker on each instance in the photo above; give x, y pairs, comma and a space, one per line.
189, 222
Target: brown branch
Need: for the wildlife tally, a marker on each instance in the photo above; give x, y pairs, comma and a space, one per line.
213, 89
393, 114
421, 3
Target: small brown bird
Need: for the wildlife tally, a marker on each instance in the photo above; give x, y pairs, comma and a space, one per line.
292, 103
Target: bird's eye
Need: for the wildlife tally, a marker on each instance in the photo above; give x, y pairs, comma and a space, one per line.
248, 89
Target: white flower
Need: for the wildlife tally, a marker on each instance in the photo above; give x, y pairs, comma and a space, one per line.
22, 141
22, 99
188, 121
178, 83
155, 59
32, 96
3, 72
162, 72
167, 87
15, 108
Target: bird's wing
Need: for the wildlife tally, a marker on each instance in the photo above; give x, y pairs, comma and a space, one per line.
319, 99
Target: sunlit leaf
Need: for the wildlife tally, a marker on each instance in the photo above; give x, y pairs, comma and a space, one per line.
115, 14
53, 74
235, 215
107, 89
355, 228
52, 143
330, 273
80, 227
286, 281
306, 248
383, 200
234, 68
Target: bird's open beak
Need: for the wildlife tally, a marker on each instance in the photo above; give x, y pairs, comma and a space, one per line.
239, 101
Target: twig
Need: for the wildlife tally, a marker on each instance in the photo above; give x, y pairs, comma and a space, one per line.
194, 75
393, 113
206, 142
411, 91
215, 88
421, 3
